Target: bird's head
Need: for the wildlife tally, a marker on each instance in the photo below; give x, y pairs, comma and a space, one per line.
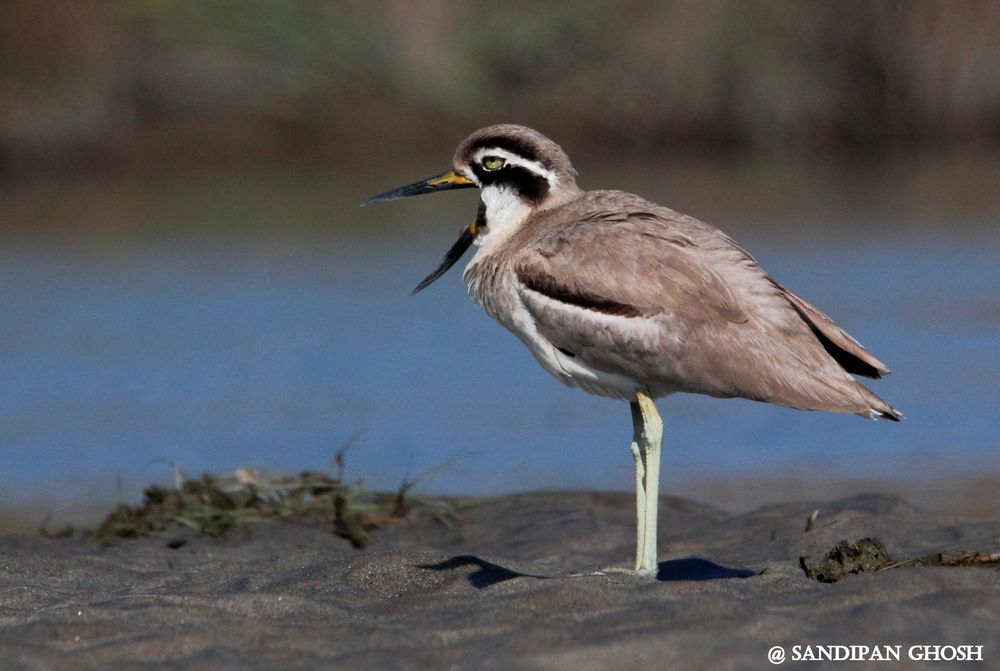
517, 170
509, 161
503, 161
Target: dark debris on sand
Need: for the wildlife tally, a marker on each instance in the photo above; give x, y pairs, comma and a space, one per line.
214, 505
848, 558
866, 555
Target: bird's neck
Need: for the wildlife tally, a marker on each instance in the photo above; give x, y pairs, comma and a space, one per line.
503, 212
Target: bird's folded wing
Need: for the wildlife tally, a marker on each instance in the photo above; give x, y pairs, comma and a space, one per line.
630, 293
635, 291
631, 265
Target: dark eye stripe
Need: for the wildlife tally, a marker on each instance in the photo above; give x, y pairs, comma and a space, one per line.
530, 186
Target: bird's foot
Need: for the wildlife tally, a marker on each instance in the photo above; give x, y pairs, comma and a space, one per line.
637, 572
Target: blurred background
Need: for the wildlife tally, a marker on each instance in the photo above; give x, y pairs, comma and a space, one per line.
186, 277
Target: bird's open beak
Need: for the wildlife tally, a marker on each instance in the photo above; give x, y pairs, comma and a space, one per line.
464, 241
449, 180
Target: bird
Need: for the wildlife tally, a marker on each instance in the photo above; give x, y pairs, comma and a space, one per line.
627, 299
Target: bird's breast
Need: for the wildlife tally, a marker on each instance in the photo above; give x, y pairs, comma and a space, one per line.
493, 286
489, 281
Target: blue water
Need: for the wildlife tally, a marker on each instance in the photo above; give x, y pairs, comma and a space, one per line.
215, 353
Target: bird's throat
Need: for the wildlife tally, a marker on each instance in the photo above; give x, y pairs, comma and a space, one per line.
502, 212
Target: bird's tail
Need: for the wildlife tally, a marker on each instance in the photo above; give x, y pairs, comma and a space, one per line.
875, 407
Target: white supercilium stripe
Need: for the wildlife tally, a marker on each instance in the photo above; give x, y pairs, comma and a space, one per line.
520, 161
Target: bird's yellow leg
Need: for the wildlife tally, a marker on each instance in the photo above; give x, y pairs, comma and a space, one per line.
647, 441
650, 447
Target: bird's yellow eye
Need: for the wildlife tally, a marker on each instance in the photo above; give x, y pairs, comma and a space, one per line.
493, 162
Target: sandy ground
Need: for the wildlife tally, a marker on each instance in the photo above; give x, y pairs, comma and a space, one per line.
495, 591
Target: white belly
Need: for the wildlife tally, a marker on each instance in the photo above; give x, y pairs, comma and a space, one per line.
501, 300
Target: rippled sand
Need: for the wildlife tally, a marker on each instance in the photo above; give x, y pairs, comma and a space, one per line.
495, 590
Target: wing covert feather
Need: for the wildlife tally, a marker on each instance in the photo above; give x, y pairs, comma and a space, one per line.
632, 259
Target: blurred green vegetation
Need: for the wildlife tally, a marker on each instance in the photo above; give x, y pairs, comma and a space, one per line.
158, 83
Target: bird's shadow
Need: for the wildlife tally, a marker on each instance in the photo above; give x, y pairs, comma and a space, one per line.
696, 568
488, 574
